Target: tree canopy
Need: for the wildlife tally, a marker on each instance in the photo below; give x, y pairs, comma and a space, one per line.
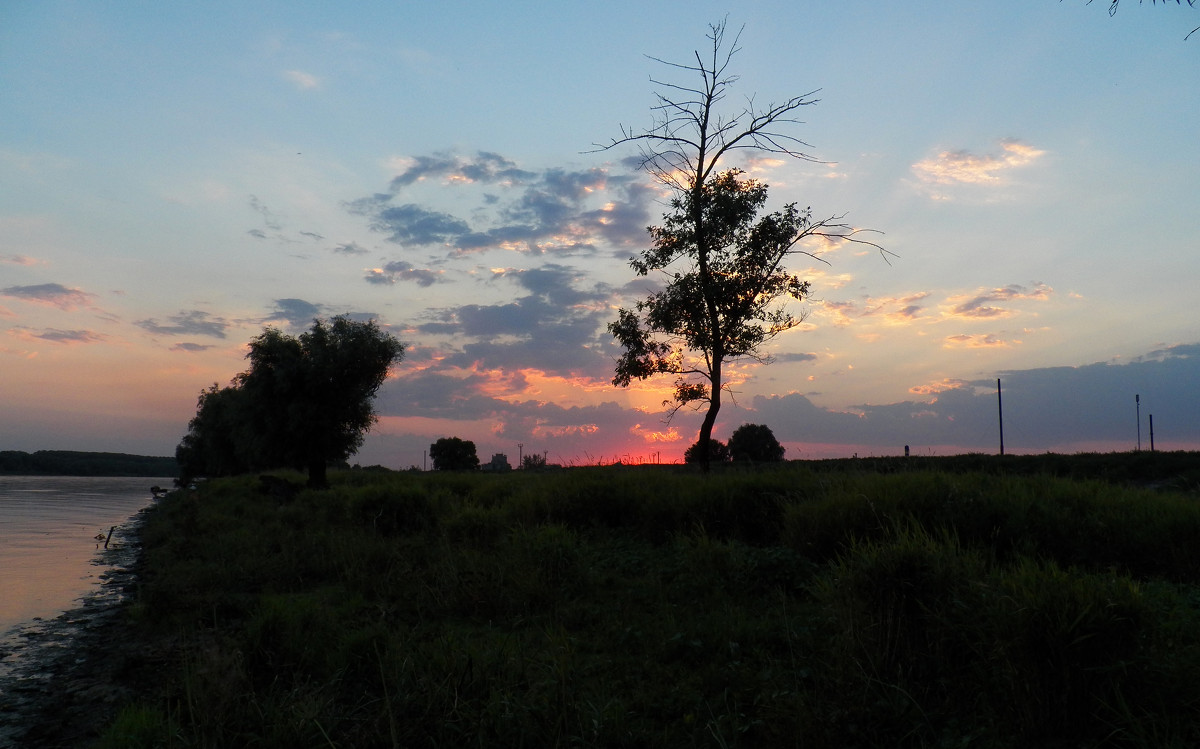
305, 402
722, 266
453, 454
717, 452
754, 443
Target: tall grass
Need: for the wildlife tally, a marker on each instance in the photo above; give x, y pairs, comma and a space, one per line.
640, 606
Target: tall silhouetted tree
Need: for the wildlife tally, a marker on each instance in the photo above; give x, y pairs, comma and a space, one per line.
723, 266
304, 402
453, 454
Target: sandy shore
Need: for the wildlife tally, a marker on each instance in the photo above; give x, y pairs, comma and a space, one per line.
64, 678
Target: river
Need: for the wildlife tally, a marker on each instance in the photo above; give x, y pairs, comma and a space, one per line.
53, 561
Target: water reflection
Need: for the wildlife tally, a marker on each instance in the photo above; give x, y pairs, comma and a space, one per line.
52, 529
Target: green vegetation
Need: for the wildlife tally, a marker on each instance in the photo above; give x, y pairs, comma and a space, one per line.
304, 403
800, 605
74, 463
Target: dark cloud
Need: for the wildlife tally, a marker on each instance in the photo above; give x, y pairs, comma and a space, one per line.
257, 233
297, 312
1062, 409
349, 248
412, 224
485, 167
53, 335
1059, 409
398, 270
312, 235
551, 211
556, 284
269, 218
794, 357
53, 294
624, 219
555, 328
191, 348
566, 348
192, 322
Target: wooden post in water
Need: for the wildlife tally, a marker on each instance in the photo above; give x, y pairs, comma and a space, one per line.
1000, 406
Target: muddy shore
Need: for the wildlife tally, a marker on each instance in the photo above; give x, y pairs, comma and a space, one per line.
62, 680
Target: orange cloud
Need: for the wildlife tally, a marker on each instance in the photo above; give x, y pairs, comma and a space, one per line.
977, 340
984, 302
895, 310
964, 167
934, 388
18, 260
655, 436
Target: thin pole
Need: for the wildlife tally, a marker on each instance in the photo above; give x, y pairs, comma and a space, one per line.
1137, 400
1000, 406
1151, 432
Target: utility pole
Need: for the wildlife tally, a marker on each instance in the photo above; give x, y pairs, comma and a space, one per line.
1137, 400
1000, 406
520, 454
1151, 432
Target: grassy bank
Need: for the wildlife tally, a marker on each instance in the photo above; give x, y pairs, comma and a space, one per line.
644, 606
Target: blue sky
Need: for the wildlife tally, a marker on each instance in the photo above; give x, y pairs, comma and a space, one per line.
173, 178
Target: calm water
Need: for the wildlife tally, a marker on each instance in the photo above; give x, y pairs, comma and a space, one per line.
48, 549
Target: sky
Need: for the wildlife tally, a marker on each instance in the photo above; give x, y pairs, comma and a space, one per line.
176, 177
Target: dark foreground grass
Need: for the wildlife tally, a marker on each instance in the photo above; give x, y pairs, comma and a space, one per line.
644, 607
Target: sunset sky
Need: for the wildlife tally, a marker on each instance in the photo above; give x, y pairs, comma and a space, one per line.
176, 176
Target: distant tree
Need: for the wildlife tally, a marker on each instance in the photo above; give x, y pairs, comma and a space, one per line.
533, 462
453, 454
717, 452
754, 443
725, 282
304, 403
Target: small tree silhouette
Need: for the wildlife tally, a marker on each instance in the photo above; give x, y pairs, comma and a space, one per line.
453, 454
717, 452
754, 443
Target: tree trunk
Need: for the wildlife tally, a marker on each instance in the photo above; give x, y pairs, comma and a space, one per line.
317, 476
710, 417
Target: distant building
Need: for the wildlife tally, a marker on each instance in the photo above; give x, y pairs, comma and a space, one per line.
498, 463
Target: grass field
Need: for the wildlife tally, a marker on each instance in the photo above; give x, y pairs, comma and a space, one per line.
974, 603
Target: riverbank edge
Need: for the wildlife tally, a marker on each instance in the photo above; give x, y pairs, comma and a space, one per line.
77, 669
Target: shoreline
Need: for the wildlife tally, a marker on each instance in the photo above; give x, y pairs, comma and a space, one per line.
63, 685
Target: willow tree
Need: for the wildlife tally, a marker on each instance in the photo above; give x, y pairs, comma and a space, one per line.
723, 266
305, 402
